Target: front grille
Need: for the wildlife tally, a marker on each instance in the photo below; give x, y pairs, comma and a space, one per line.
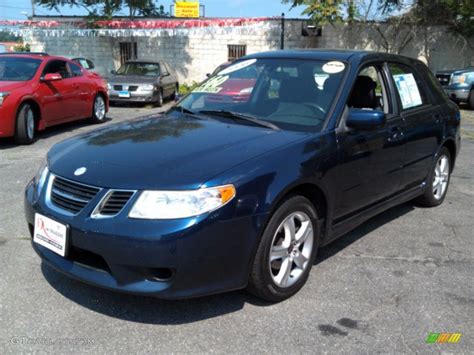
71, 196
443, 79
130, 88
113, 203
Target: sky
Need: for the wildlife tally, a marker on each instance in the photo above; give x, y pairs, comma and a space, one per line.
19, 9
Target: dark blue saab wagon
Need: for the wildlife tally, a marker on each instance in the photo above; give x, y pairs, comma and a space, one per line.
243, 180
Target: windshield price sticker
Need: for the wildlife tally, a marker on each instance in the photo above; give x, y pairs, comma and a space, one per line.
333, 67
408, 90
212, 86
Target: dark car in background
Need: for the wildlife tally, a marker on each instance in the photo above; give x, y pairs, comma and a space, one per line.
458, 84
144, 81
223, 195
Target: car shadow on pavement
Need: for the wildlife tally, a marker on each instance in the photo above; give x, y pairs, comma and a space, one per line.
9, 143
151, 310
362, 230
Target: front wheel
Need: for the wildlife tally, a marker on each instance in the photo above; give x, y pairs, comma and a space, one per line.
470, 100
25, 125
438, 180
286, 251
99, 110
159, 99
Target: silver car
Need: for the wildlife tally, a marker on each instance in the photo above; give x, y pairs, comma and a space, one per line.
144, 81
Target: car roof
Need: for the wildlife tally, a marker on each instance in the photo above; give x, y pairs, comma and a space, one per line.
331, 54
144, 60
35, 55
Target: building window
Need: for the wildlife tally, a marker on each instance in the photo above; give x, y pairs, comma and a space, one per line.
128, 50
235, 51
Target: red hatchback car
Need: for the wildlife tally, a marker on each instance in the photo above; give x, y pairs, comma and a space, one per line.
39, 91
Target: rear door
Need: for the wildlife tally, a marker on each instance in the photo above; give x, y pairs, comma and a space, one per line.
84, 92
423, 121
57, 96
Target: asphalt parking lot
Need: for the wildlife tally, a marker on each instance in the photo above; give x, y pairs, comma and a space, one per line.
381, 288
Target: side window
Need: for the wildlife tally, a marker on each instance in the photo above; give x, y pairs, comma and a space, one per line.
409, 86
370, 90
164, 69
75, 69
82, 62
57, 67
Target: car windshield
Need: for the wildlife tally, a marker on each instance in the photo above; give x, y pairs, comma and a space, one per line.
18, 69
291, 94
142, 69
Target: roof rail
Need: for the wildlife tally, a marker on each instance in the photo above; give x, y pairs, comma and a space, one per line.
44, 54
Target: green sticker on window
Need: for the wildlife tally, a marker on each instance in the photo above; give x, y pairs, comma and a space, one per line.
212, 86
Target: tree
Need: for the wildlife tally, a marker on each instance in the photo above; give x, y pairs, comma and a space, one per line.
108, 8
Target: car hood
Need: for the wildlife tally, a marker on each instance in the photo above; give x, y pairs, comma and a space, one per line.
11, 85
132, 79
174, 152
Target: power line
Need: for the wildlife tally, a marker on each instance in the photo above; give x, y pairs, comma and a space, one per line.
15, 7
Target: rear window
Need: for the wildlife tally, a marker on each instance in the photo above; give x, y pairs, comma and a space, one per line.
410, 88
18, 69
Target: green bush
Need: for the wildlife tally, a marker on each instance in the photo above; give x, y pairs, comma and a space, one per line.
22, 47
185, 88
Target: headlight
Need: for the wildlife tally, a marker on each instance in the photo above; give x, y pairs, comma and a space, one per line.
147, 87
459, 79
41, 175
3, 95
181, 204
109, 87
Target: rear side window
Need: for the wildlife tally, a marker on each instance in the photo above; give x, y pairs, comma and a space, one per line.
75, 69
411, 90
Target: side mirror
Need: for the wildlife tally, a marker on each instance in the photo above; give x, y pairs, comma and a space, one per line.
208, 75
90, 64
52, 77
165, 74
113, 72
365, 119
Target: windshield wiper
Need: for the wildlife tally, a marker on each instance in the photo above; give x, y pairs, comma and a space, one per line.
239, 116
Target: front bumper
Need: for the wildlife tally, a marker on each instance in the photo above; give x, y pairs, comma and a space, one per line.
167, 259
458, 95
7, 118
135, 96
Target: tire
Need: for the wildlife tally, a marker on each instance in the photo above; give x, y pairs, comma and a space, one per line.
174, 95
438, 180
159, 99
268, 279
99, 109
25, 125
470, 100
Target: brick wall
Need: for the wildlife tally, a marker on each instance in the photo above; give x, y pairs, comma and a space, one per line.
197, 51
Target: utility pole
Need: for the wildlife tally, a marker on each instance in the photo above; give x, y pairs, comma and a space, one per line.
282, 35
32, 8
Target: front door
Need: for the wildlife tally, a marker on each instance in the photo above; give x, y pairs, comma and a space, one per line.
57, 96
371, 161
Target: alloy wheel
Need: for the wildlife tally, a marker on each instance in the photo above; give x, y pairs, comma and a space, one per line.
291, 249
441, 177
30, 123
99, 108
